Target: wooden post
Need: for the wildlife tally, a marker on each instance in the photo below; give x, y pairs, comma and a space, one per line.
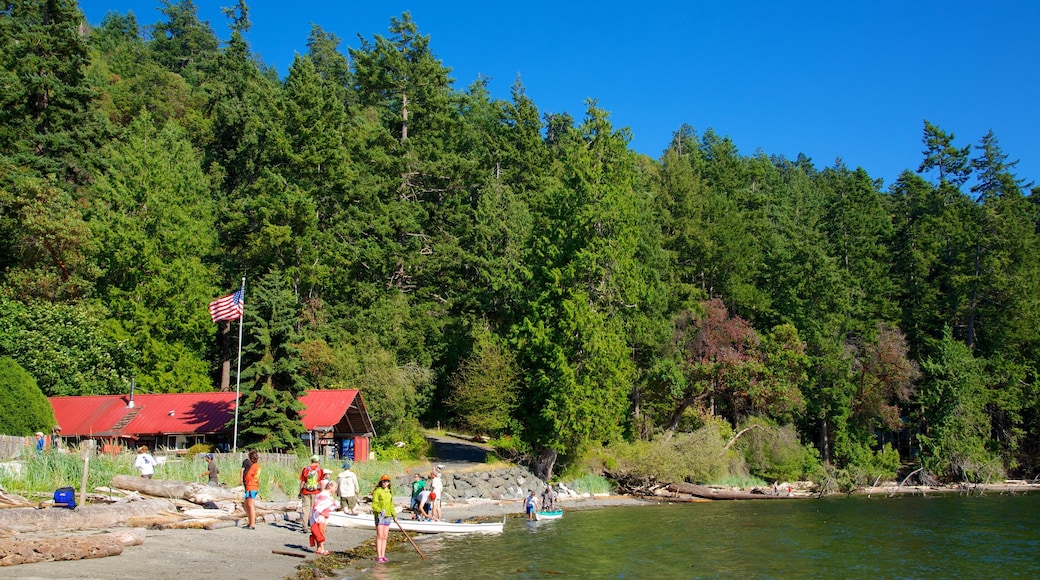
86, 450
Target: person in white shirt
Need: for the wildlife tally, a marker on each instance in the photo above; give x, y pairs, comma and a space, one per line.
348, 486
437, 486
145, 463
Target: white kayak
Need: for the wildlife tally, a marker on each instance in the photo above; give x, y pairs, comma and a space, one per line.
553, 515
367, 521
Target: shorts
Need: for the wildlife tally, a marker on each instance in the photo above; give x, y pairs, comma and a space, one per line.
348, 502
530, 510
384, 521
251, 493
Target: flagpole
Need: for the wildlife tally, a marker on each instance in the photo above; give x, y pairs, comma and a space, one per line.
238, 372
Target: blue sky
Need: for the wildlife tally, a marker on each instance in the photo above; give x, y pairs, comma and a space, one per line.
853, 80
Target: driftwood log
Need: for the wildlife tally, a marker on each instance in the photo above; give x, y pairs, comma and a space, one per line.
706, 492
174, 489
88, 517
11, 500
13, 552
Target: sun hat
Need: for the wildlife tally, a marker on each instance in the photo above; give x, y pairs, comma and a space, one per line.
142, 449
384, 477
315, 458
38, 433
346, 465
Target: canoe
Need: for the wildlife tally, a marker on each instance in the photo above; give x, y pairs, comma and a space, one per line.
553, 515
366, 521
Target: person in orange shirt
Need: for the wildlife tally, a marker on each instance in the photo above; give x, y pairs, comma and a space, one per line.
251, 481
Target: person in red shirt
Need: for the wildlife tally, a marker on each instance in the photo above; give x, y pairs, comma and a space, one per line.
312, 480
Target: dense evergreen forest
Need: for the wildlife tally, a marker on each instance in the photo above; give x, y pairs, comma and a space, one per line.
475, 262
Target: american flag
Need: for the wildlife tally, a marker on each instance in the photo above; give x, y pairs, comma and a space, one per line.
226, 308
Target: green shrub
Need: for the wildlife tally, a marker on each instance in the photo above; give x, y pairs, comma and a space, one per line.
865, 466
24, 409
199, 448
591, 484
775, 453
694, 457
509, 448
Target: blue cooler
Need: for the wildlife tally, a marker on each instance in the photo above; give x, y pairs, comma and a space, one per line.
65, 495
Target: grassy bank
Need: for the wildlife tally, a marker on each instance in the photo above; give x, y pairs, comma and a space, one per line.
45, 472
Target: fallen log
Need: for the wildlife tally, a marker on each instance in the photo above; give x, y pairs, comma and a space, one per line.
706, 492
86, 517
171, 488
154, 520
11, 500
192, 524
210, 514
14, 552
278, 506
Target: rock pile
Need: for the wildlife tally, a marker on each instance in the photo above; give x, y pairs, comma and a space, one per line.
511, 483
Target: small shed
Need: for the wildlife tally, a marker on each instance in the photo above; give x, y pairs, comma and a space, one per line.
337, 424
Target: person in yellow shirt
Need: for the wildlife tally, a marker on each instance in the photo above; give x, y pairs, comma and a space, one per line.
383, 511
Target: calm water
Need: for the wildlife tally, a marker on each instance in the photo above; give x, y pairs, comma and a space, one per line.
914, 537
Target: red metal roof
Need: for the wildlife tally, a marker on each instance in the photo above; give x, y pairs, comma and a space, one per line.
183, 413
323, 409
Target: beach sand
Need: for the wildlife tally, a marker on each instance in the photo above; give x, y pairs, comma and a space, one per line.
239, 553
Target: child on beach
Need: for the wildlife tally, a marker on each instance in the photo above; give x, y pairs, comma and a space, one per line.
529, 505
324, 503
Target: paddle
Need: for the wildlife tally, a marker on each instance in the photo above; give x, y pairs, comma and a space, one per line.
410, 541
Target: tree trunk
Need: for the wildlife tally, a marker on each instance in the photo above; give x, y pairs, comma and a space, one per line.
543, 466
825, 444
13, 552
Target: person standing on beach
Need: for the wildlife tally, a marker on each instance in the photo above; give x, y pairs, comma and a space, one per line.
418, 484
41, 443
383, 511
312, 480
348, 488
319, 518
145, 463
251, 482
212, 471
437, 486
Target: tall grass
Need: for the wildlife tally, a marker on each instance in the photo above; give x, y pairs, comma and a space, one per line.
591, 484
48, 471
51, 470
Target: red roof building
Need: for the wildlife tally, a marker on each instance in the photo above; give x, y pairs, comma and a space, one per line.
334, 420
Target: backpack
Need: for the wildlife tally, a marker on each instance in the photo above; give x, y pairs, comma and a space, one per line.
312, 479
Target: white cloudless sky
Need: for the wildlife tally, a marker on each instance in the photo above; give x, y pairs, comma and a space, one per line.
849, 80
